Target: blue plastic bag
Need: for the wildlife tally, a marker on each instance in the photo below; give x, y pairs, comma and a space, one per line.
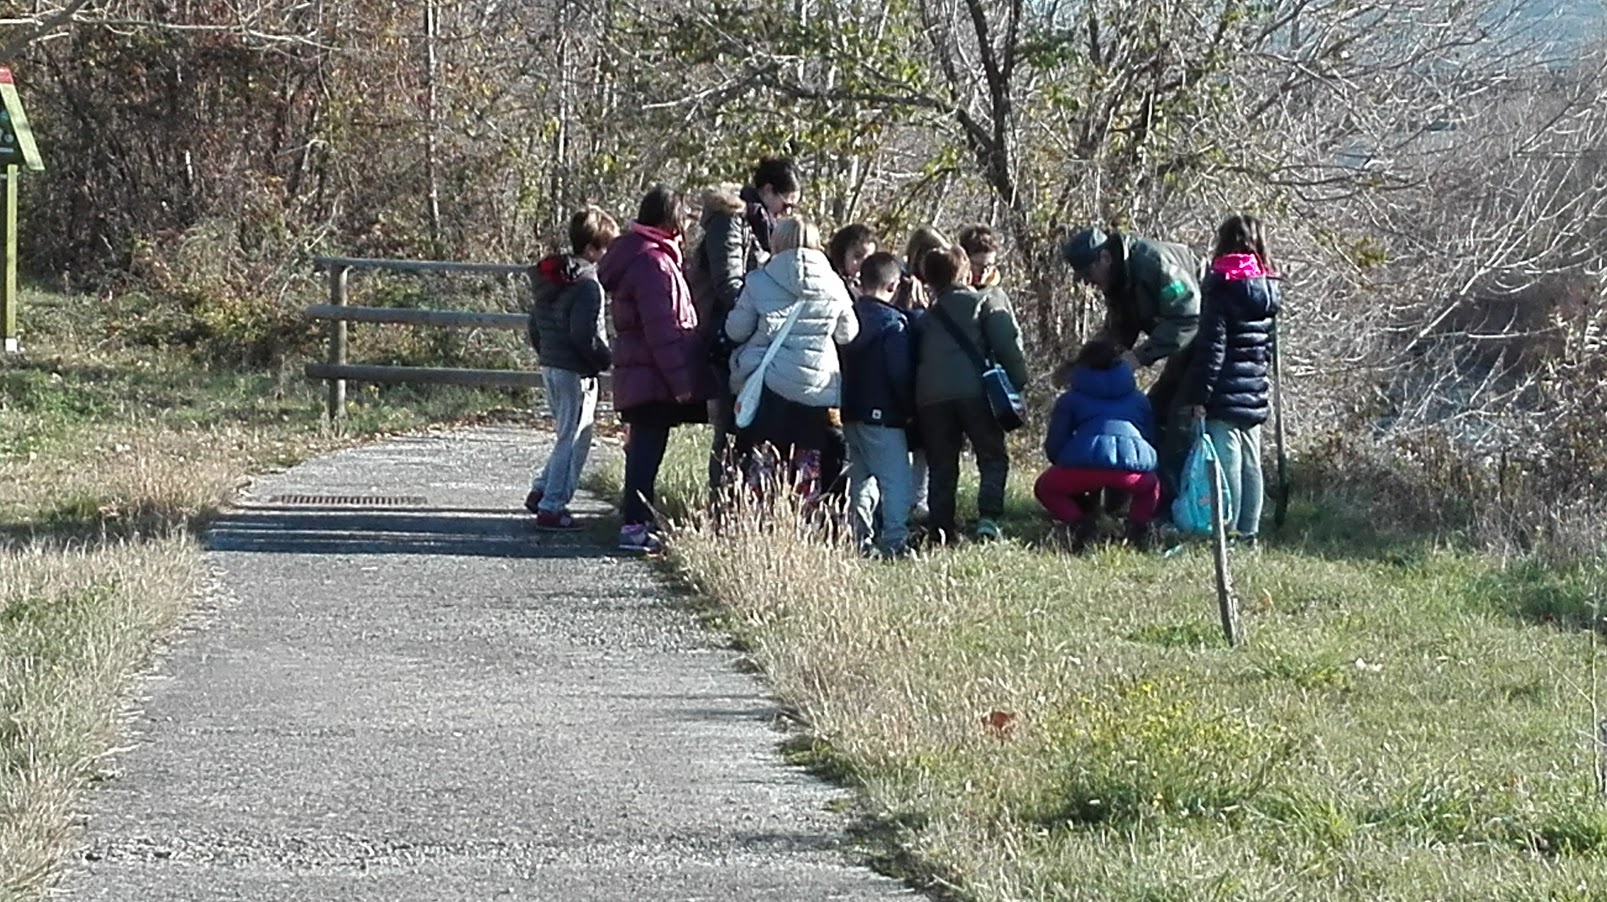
1191, 510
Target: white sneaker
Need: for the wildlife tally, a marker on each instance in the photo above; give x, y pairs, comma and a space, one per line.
639, 537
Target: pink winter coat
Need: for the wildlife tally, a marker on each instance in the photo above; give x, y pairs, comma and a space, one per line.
657, 353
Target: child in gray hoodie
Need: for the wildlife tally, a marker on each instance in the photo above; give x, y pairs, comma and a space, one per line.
569, 334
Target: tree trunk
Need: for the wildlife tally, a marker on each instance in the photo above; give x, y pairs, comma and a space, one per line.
432, 156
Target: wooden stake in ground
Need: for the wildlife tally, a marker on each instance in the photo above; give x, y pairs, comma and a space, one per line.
17, 151
1226, 603
1280, 503
1601, 758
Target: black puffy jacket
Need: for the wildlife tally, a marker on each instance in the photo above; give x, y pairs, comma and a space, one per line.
729, 250
567, 328
1233, 350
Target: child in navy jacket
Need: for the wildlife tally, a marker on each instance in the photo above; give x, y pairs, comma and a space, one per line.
1101, 436
878, 402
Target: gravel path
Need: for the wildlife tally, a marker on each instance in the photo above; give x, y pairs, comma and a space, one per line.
431, 701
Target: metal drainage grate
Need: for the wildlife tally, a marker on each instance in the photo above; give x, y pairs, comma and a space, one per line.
349, 500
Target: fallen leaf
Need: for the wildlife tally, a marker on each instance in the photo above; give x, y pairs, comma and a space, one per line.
1000, 723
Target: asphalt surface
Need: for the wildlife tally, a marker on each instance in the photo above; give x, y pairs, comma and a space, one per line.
431, 701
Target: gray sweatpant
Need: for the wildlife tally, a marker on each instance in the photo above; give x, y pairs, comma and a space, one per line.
572, 398
879, 470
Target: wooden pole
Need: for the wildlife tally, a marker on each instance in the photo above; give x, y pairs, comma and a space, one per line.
1601, 758
324, 264
337, 344
1280, 509
8, 290
408, 316
425, 375
1226, 603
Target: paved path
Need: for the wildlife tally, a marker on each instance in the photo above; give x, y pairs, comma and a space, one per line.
432, 702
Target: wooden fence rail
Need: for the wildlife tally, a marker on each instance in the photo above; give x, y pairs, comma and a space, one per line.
337, 372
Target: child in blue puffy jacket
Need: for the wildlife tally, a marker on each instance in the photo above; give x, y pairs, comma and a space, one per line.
1101, 436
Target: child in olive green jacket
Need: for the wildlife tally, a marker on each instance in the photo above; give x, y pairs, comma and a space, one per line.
949, 398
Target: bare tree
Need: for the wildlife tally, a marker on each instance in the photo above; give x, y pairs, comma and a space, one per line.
42, 23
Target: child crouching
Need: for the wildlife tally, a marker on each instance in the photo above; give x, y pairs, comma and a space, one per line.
1101, 436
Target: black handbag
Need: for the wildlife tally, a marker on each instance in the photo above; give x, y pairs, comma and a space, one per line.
1003, 398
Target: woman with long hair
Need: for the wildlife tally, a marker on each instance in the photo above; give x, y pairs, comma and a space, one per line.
1228, 386
662, 377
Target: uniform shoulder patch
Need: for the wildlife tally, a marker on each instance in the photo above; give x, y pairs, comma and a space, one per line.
1174, 291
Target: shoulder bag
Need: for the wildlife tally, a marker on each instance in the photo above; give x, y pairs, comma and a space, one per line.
747, 403
1002, 396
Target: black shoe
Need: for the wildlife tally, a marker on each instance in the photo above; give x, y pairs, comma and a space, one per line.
1083, 534
1141, 537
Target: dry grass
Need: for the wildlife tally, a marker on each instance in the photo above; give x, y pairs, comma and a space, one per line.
98, 561
1029, 725
75, 624
133, 480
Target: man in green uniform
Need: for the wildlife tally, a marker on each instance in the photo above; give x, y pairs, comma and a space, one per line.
1152, 289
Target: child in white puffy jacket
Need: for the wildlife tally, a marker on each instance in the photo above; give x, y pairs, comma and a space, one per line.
802, 383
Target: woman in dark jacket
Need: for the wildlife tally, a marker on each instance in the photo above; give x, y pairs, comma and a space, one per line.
1227, 384
661, 374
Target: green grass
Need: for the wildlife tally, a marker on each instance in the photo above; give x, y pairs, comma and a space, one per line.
113, 455
1406, 721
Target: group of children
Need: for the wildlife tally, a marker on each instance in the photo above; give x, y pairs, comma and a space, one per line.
905, 395
912, 395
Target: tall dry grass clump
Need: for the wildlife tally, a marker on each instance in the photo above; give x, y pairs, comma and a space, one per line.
130, 481
883, 659
75, 625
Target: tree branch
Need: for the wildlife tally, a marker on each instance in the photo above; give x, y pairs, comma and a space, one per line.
40, 28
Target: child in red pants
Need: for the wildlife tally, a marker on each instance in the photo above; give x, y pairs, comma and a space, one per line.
1101, 436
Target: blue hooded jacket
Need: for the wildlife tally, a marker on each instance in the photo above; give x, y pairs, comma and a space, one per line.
878, 367
1102, 422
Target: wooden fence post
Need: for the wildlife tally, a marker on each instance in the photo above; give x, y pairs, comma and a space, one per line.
337, 343
8, 287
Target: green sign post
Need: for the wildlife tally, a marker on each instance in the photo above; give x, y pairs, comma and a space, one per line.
17, 150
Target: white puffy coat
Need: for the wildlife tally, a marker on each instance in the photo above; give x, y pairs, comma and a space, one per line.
805, 367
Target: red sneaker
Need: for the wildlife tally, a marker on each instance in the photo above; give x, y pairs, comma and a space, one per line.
556, 520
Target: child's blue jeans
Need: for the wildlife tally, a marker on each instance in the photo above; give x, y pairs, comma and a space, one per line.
879, 470
1239, 450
